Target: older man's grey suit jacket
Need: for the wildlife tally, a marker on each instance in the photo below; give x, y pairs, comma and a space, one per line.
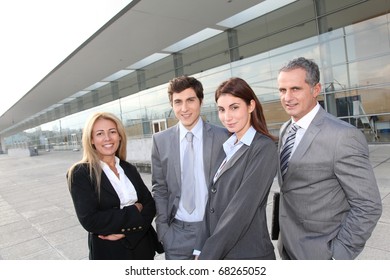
329, 203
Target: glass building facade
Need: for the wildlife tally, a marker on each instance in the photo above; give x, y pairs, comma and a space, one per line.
349, 39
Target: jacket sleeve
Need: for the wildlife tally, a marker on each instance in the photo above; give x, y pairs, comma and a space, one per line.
144, 196
356, 177
149, 209
160, 192
92, 216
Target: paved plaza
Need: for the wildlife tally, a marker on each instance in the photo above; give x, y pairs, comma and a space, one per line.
38, 221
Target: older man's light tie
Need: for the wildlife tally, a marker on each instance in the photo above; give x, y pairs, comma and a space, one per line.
188, 184
287, 149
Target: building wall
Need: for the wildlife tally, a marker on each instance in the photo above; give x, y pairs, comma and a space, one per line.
349, 40
139, 150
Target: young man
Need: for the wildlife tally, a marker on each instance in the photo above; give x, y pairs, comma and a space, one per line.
329, 203
177, 225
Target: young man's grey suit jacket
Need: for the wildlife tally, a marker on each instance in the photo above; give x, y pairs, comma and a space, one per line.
329, 203
166, 171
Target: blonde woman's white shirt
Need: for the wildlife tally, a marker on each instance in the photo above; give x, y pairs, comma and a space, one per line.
122, 185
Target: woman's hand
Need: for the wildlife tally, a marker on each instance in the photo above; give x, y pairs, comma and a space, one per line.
115, 237
139, 206
112, 237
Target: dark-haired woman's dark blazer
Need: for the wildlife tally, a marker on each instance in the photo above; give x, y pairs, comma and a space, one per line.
235, 221
104, 216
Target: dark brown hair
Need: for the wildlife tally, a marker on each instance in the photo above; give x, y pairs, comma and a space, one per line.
239, 88
181, 83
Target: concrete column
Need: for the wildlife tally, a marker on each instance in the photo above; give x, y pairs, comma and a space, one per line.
114, 90
233, 45
80, 103
95, 98
141, 79
325, 55
178, 64
1, 144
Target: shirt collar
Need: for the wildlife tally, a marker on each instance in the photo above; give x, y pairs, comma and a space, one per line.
196, 130
248, 136
306, 120
103, 164
246, 139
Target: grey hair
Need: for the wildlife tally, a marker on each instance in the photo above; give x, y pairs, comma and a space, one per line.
311, 68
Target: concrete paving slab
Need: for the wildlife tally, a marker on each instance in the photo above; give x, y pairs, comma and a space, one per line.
56, 225
50, 254
44, 215
66, 235
24, 249
14, 226
17, 237
74, 250
9, 216
380, 239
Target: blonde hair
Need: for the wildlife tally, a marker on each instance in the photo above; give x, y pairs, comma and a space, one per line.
90, 155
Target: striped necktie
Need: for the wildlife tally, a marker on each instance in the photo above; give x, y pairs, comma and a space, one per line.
287, 149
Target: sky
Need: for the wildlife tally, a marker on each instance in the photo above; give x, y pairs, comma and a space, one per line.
38, 35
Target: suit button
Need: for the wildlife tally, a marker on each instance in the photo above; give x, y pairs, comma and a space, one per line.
140, 227
122, 230
134, 228
213, 190
212, 210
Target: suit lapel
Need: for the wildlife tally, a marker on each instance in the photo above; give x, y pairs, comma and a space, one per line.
233, 160
280, 143
175, 152
308, 137
106, 184
129, 174
281, 134
208, 137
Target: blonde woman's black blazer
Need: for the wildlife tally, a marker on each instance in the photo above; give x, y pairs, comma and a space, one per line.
102, 215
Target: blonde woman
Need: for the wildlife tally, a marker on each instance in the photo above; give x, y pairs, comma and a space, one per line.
110, 198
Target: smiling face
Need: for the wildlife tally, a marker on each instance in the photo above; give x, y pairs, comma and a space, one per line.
235, 114
186, 106
297, 97
105, 138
